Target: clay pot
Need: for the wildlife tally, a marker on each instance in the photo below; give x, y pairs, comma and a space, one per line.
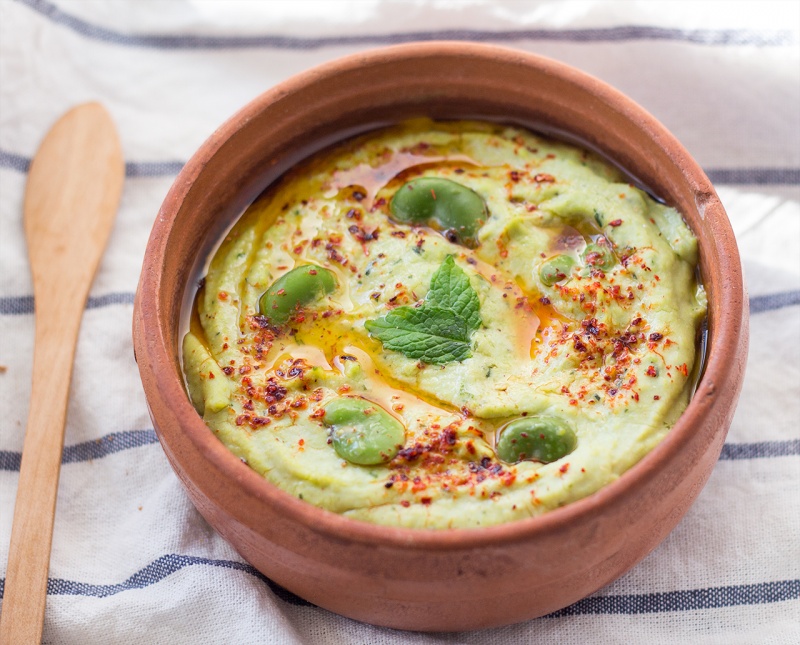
425, 579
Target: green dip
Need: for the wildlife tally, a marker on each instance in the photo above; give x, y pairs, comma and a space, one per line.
447, 324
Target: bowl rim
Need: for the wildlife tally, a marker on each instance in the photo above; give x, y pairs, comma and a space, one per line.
720, 368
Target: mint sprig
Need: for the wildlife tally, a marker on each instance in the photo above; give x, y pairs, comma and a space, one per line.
438, 331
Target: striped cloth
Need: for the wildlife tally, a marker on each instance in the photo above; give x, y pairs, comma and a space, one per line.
132, 561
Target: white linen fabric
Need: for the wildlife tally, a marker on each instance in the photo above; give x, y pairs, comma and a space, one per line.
132, 561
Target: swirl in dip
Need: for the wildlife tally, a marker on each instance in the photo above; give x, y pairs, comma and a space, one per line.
447, 324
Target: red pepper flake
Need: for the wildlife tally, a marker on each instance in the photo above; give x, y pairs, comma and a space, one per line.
317, 414
255, 422
426, 500
362, 235
683, 369
544, 178
223, 295
228, 370
615, 223
656, 397
501, 247
433, 193
655, 337
405, 503
334, 255
211, 375
563, 468
651, 371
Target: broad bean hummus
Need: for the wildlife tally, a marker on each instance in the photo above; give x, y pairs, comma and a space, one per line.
447, 324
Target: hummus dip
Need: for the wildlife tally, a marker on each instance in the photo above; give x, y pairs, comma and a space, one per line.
447, 324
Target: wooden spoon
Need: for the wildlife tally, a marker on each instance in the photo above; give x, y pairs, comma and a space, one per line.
71, 198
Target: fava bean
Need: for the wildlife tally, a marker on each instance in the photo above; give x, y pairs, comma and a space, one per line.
599, 256
363, 432
540, 438
556, 269
297, 288
455, 210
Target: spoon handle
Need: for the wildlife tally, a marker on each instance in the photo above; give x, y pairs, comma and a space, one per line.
34, 512
71, 198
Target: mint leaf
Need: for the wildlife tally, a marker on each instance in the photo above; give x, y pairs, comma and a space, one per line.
430, 334
439, 330
450, 289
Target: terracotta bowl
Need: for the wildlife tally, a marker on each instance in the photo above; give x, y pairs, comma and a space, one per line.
412, 578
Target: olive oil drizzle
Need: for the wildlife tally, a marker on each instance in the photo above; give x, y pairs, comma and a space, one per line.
373, 178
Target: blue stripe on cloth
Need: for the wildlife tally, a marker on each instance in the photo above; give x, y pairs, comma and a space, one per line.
756, 176
88, 450
21, 305
688, 600
13, 161
625, 33
774, 301
156, 168
155, 572
118, 298
119, 441
760, 449
108, 445
732, 176
22, 164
